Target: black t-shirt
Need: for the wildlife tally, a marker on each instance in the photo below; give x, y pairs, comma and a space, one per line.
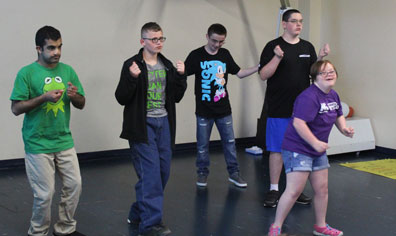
290, 78
211, 77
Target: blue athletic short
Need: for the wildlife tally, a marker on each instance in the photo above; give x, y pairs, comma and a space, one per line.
294, 161
276, 128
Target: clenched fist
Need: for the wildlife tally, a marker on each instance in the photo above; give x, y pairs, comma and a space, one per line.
278, 51
134, 70
180, 67
324, 51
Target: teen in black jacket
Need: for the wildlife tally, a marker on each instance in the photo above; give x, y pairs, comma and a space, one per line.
148, 89
132, 93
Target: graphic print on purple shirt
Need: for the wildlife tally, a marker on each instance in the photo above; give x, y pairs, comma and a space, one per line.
213, 71
320, 111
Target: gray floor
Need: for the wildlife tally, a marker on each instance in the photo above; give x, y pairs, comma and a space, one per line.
359, 203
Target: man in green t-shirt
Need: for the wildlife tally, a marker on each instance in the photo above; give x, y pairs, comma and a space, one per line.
43, 91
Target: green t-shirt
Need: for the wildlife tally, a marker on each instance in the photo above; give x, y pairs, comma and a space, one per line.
46, 128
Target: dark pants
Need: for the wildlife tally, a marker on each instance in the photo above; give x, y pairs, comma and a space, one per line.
204, 129
152, 165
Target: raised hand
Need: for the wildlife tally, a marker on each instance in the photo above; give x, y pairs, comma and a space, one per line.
134, 70
324, 51
53, 95
77, 100
71, 90
180, 67
278, 51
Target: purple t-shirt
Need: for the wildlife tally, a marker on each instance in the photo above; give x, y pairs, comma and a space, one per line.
320, 111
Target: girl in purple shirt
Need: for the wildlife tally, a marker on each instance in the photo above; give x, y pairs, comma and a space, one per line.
304, 146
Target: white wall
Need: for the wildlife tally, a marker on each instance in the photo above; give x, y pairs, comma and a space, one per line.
362, 35
98, 35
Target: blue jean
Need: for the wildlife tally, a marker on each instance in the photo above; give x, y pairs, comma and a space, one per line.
204, 129
294, 161
152, 165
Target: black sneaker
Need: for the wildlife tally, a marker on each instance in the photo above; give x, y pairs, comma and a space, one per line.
164, 229
157, 230
134, 223
303, 199
75, 233
236, 179
272, 198
202, 180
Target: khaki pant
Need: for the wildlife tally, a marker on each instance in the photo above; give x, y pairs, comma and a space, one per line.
40, 170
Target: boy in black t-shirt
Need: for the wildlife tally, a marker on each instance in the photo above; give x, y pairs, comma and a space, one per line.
211, 65
285, 64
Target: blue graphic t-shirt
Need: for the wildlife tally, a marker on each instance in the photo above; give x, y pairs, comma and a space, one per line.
211, 77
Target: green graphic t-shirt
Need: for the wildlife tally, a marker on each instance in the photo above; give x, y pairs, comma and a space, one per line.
156, 90
46, 128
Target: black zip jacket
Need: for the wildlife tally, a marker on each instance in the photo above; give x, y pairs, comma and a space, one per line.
132, 94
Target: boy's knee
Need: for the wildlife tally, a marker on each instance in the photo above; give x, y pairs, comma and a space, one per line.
44, 196
74, 184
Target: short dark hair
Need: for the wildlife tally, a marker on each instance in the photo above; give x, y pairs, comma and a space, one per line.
217, 29
286, 15
152, 26
317, 67
46, 32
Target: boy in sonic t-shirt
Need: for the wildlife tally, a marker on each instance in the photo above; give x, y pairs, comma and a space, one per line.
211, 65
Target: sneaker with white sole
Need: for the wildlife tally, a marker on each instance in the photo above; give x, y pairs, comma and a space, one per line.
304, 199
202, 180
271, 198
236, 179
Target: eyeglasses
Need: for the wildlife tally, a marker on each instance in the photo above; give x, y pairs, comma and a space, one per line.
155, 40
326, 73
295, 21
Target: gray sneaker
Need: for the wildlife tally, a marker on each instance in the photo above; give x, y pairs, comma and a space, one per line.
236, 179
202, 180
157, 230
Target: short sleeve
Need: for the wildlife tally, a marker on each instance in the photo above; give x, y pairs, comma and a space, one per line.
189, 64
21, 88
76, 82
266, 55
339, 111
232, 67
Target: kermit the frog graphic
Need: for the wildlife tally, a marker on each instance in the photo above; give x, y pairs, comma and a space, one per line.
54, 83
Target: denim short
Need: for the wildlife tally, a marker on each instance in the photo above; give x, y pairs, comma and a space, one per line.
294, 161
275, 131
